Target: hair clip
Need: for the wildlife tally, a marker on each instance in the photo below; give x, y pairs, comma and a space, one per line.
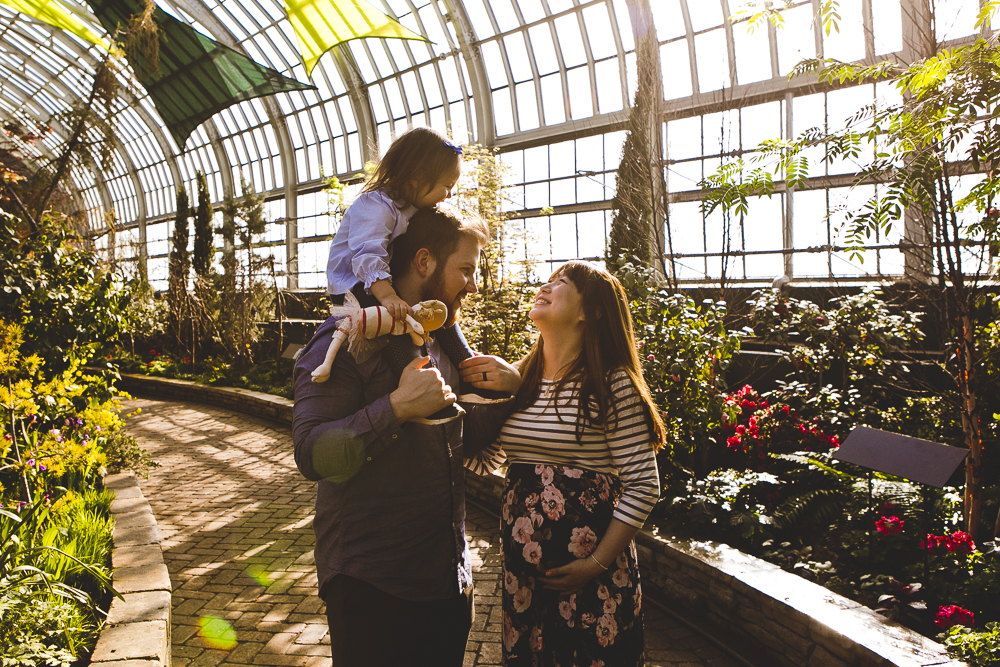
457, 149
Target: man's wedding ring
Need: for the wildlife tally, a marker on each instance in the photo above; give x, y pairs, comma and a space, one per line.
484, 376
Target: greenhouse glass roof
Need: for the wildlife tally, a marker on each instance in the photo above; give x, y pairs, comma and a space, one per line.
546, 82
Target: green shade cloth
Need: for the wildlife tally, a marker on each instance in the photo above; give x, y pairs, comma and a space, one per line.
57, 14
198, 76
322, 24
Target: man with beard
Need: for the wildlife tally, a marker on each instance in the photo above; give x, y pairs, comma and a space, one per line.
391, 556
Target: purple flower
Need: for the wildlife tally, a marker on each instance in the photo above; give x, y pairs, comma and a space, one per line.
31, 462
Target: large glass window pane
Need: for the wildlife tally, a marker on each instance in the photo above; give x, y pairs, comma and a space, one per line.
954, 18
762, 230
527, 106
517, 57
570, 40
562, 159
887, 26
676, 68
563, 237
503, 113
848, 43
668, 18
713, 60
599, 35
543, 49
609, 88
684, 138
592, 234
581, 99
753, 54
531, 10
553, 100
704, 14
759, 123
493, 62
504, 14
687, 235
796, 41
479, 18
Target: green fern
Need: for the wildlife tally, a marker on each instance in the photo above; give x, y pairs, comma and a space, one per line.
815, 507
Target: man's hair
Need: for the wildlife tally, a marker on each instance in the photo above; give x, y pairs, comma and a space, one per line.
438, 230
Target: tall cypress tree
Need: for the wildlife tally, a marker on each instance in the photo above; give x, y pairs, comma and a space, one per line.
632, 233
179, 267
201, 258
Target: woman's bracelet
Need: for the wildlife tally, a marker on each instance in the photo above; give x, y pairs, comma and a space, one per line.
603, 566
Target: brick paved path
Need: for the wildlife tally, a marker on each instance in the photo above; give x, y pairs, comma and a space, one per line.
236, 522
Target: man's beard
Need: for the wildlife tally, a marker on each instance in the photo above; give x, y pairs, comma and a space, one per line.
434, 289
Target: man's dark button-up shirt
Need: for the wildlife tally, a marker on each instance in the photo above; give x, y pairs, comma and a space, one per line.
390, 507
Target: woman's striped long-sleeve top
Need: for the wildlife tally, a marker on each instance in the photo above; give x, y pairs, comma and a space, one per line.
545, 432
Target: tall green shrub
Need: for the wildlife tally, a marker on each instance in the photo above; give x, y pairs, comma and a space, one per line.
179, 271
204, 238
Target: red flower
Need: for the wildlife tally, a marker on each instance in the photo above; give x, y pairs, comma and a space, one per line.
952, 615
960, 543
821, 320
785, 409
651, 357
891, 526
933, 542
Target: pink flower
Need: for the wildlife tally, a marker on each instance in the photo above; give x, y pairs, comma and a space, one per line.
610, 606
532, 552
583, 542
573, 473
952, 615
510, 635
602, 592
620, 578
523, 530
522, 599
535, 641
960, 543
553, 503
547, 475
587, 619
607, 629
567, 608
891, 526
651, 357
531, 501
537, 519
509, 581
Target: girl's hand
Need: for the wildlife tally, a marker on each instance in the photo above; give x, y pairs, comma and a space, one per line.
398, 308
572, 576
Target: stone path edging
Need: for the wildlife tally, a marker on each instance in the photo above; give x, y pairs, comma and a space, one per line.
137, 631
794, 621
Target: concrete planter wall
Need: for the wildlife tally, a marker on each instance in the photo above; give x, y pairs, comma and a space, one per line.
137, 632
788, 620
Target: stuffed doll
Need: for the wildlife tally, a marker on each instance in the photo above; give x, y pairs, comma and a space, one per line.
361, 327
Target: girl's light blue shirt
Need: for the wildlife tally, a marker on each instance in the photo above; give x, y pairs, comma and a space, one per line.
360, 250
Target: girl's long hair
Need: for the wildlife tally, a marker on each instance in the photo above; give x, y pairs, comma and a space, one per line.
420, 156
609, 345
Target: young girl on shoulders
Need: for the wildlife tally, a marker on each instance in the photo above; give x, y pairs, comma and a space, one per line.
419, 170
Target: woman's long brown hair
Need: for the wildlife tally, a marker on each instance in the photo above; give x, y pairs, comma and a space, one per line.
608, 345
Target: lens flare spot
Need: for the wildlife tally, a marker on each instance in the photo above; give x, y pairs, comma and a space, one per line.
260, 575
217, 633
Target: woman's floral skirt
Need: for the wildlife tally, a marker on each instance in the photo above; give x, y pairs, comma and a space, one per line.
551, 516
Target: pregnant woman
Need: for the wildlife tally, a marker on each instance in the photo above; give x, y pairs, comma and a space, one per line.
581, 480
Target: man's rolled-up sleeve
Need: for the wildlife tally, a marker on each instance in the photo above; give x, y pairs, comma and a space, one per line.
334, 429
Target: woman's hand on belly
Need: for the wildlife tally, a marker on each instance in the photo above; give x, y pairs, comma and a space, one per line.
572, 576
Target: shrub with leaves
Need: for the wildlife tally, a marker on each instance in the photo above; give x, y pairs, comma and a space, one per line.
976, 648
